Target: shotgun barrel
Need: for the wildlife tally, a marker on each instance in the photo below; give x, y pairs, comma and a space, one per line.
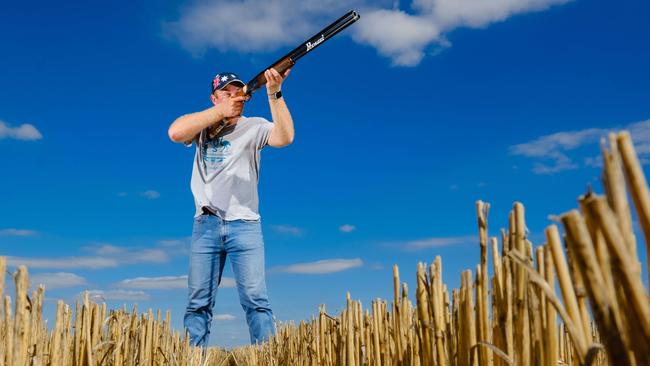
290, 58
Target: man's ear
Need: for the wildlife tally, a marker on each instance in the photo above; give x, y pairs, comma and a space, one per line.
213, 99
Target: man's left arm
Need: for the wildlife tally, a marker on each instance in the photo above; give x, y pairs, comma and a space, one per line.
282, 132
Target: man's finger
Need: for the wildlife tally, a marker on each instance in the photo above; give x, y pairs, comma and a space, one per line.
276, 75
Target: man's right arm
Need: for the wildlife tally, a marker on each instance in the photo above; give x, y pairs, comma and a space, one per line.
187, 126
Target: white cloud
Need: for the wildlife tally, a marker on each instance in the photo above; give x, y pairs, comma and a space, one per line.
347, 228
130, 255
118, 295
174, 247
25, 132
287, 229
166, 283
150, 194
594, 161
57, 280
640, 132
104, 256
451, 14
404, 37
224, 317
250, 25
435, 242
551, 152
397, 35
175, 243
17, 232
108, 249
320, 267
64, 262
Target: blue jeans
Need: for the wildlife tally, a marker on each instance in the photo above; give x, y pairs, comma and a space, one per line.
212, 240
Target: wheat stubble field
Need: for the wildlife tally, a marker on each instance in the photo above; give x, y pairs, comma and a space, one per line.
576, 299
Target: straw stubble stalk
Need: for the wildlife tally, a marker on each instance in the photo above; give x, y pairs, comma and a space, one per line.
614, 182
485, 356
542, 346
438, 311
21, 325
550, 330
522, 345
3, 270
423, 314
638, 187
608, 322
625, 274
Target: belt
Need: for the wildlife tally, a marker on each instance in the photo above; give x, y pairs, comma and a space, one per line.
207, 211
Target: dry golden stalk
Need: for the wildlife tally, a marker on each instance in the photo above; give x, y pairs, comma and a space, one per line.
616, 195
579, 240
600, 246
485, 356
423, 314
496, 264
438, 311
522, 342
638, 186
638, 313
478, 287
550, 330
581, 294
509, 306
537, 280
8, 332
396, 310
542, 347
467, 354
3, 270
519, 238
22, 316
55, 350
568, 293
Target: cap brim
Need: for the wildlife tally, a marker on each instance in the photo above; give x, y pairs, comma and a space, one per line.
230, 82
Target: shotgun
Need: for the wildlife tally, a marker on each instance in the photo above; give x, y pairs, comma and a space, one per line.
290, 58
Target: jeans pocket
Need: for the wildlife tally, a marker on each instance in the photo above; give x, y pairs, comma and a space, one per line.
200, 222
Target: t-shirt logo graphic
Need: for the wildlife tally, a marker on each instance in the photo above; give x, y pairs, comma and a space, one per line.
215, 152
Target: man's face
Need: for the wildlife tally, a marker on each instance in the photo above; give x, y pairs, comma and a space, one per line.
228, 91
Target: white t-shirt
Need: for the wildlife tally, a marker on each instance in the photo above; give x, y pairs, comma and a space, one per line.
226, 169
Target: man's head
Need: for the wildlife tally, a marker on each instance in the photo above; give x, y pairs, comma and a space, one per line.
225, 85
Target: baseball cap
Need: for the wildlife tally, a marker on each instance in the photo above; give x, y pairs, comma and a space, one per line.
224, 78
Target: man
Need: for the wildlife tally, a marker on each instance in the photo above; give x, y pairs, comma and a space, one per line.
224, 185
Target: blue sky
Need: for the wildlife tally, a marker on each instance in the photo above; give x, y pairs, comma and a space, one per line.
402, 123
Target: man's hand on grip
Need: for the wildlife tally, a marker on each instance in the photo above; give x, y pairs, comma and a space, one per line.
232, 107
274, 80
